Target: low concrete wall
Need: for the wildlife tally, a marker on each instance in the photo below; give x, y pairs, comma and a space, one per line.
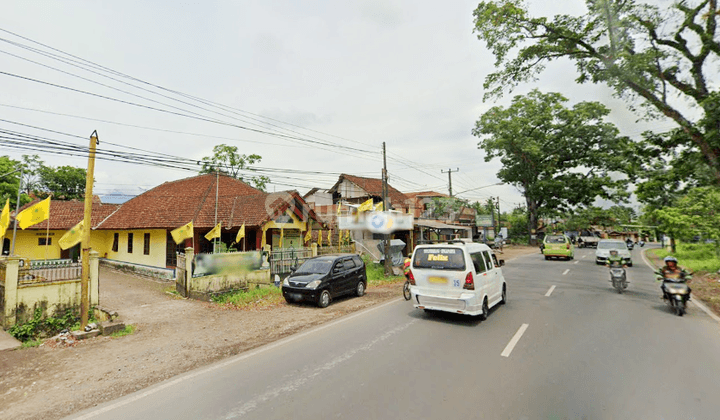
203, 288
22, 297
159, 273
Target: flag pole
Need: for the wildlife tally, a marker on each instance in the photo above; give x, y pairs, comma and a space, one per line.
217, 190
47, 233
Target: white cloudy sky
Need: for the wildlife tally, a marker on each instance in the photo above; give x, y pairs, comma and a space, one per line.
354, 74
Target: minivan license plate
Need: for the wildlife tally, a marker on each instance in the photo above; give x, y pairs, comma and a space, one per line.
438, 280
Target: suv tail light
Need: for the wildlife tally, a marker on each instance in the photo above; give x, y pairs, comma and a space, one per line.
411, 278
567, 246
469, 284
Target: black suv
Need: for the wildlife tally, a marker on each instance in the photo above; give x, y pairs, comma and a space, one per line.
322, 278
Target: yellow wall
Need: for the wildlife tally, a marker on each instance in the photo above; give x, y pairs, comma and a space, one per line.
158, 244
26, 245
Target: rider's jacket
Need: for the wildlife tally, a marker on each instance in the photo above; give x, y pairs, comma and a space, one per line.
614, 261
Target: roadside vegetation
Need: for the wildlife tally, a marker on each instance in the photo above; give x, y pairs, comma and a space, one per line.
39, 327
129, 329
376, 273
251, 298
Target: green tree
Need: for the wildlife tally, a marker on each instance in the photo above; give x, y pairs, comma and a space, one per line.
64, 182
696, 213
227, 160
660, 59
559, 158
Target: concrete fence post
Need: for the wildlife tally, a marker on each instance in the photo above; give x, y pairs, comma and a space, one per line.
94, 278
189, 258
11, 284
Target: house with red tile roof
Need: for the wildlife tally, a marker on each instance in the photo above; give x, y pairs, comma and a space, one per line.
39, 241
138, 231
355, 190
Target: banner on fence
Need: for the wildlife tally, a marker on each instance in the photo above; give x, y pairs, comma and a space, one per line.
232, 263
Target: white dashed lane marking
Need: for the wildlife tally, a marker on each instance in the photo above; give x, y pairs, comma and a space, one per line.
550, 291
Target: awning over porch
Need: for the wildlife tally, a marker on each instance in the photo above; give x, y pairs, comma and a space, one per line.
434, 224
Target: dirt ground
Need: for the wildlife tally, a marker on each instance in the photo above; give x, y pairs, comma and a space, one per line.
172, 336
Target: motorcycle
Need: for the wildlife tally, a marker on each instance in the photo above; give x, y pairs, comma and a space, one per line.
676, 293
641, 243
618, 278
630, 245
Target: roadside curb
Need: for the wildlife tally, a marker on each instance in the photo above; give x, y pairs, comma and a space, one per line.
693, 299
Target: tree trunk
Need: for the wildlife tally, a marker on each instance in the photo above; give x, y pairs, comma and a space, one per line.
532, 209
672, 244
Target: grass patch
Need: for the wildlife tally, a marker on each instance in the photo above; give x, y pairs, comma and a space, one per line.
129, 329
695, 257
376, 274
31, 343
265, 296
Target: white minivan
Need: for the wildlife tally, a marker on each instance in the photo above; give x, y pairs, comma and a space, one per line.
458, 277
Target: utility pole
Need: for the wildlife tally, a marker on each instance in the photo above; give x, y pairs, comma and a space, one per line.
497, 207
449, 172
85, 241
386, 237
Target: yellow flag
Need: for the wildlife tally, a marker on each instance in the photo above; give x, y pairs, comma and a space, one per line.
339, 207
34, 214
281, 237
367, 205
214, 233
5, 219
241, 233
308, 235
347, 236
72, 237
329, 237
183, 232
264, 239
320, 238
380, 207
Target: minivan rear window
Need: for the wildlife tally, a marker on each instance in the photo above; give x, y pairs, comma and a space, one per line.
439, 258
555, 239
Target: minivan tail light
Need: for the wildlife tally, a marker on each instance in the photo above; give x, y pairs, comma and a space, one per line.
411, 278
469, 284
567, 246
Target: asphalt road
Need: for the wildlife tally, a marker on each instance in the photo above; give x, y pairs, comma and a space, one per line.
581, 351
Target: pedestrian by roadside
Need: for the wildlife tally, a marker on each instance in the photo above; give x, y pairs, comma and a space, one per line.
499, 242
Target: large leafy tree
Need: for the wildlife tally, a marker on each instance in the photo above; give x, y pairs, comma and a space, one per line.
63, 182
557, 157
696, 213
227, 160
663, 60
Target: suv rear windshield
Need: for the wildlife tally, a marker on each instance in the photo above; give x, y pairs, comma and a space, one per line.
440, 258
554, 239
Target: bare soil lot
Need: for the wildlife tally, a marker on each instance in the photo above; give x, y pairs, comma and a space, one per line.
172, 336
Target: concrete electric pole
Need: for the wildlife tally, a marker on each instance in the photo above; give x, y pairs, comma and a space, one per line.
449, 172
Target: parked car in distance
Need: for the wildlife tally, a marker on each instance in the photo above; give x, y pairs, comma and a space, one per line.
458, 277
321, 279
558, 246
603, 251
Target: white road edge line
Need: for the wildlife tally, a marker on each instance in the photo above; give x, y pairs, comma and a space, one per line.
693, 300
567, 270
584, 256
576, 262
189, 375
550, 291
511, 345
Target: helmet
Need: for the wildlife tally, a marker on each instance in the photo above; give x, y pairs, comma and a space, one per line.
613, 252
670, 259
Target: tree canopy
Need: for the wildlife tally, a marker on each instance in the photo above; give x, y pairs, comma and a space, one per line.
663, 60
227, 160
558, 157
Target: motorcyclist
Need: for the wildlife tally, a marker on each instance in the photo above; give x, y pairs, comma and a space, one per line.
671, 270
406, 266
615, 260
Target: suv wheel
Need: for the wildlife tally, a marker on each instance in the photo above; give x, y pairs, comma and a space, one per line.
360, 288
324, 299
485, 310
504, 295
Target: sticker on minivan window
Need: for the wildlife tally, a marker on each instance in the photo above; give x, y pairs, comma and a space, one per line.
440, 259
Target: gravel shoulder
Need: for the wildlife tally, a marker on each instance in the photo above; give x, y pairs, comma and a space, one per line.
172, 336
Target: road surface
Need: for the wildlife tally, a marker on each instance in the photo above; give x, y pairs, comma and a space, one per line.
565, 346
